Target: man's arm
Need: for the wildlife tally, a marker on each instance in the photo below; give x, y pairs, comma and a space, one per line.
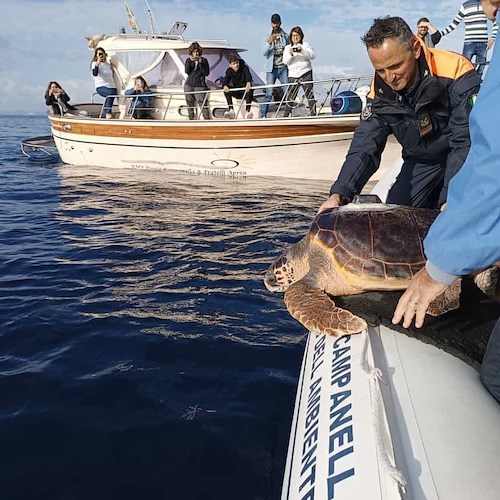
463, 93
456, 21
491, 41
363, 157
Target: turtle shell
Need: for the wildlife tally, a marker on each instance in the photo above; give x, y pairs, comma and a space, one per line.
374, 241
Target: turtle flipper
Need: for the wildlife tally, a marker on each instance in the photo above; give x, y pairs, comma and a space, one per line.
448, 301
318, 312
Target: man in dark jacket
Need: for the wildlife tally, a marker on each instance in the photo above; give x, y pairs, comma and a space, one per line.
238, 77
423, 96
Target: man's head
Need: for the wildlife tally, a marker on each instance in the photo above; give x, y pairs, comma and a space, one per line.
276, 20
490, 8
393, 51
234, 62
422, 27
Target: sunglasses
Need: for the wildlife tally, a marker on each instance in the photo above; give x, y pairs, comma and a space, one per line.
421, 27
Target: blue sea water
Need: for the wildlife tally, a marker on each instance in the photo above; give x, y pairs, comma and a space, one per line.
141, 356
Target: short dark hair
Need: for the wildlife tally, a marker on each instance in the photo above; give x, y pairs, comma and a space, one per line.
424, 19
234, 59
388, 27
276, 19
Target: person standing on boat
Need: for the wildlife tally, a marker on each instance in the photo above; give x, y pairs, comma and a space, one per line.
141, 105
238, 77
424, 97
428, 33
297, 56
197, 69
476, 42
105, 86
276, 69
466, 236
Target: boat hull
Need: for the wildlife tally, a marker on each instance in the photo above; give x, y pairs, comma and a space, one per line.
303, 148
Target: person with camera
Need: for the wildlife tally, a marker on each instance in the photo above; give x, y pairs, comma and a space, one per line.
197, 69
141, 105
297, 56
276, 69
105, 86
56, 97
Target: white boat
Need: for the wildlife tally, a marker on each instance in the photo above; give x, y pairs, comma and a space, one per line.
382, 416
299, 146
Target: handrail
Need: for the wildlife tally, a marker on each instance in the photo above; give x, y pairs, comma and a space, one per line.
323, 90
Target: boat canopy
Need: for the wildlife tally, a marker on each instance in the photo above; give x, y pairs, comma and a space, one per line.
160, 59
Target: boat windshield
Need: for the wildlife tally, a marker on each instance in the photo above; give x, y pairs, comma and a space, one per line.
137, 61
167, 71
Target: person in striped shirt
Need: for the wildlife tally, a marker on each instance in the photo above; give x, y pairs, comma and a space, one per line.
476, 41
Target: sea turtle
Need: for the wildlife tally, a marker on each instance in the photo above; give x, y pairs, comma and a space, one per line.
349, 250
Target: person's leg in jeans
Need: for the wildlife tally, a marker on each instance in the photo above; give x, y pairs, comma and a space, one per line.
490, 368
468, 50
480, 57
108, 102
417, 185
270, 79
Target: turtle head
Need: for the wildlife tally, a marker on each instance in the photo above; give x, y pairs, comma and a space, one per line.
287, 269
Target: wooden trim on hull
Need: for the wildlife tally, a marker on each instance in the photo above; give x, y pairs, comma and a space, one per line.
208, 132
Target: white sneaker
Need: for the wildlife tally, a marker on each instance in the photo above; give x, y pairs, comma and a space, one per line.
229, 114
249, 115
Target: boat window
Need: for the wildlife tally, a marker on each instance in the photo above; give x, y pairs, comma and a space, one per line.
137, 61
164, 73
218, 60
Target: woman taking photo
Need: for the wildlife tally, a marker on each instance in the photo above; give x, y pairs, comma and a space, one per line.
56, 97
297, 56
102, 72
197, 69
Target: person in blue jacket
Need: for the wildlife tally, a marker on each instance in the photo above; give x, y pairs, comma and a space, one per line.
141, 106
465, 237
276, 69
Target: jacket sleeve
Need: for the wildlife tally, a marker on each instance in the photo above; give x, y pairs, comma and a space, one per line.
308, 51
49, 99
95, 69
494, 31
267, 49
435, 37
466, 236
462, 96
227, 77
205, 68
188, 66
287, 57
363, 157
247, 74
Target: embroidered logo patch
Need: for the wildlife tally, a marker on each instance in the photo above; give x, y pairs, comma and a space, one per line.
367, 112
424, 125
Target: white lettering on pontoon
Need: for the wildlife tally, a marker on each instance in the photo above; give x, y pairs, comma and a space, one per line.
341, 431
310, 437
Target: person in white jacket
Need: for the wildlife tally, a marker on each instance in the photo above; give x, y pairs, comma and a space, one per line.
297, 56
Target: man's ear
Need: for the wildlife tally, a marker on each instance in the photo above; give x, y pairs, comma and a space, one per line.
417, 47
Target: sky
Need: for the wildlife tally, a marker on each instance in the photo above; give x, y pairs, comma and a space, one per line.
44, 40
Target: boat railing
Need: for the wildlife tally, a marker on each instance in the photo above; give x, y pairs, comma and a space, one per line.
171, 104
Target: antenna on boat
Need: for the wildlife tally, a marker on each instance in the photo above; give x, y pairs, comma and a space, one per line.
131, 19
152, 20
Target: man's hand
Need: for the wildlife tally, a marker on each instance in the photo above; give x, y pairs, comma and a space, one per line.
335, 200
248, 86
415, 301
225, 88
490, 43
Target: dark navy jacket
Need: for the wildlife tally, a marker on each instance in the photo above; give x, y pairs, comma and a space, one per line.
196, 71
432, 126
237, 79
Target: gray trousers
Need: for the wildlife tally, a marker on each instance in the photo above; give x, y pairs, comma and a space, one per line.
490, 368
